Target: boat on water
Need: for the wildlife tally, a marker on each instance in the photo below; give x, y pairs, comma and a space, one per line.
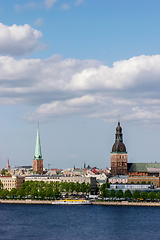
72, 202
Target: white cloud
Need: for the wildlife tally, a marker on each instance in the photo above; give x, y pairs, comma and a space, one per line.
49, 3
65, 6
78, 2
19, 40
60, 87
39, 22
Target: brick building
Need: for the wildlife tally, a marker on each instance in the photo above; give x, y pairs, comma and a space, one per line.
118, 155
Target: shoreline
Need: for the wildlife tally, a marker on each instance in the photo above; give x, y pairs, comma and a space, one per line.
27, 201
123, 203
126, 203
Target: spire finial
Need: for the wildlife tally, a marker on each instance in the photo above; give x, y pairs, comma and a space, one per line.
118, 119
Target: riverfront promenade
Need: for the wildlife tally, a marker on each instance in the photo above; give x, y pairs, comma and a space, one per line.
27, 201
123, 203
126, 203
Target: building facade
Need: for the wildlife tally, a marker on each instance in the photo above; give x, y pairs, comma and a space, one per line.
38, 160
10, 182
144, 180
119, 179
119, 155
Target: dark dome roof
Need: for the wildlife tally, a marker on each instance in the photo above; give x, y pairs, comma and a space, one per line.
118, 147
118, 128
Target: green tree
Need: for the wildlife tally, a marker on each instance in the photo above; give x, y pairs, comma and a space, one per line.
105, 193
103, 187
83, 188
144, 195
136, 194
34, 192
13, 192
21, 192
4, 172
152, 195
41, 193
119, 194
128, 194
62, 187
49, 192
1, 185
112, 193
5, 193
66, 186
88, 188
77, 187
28, 190
72, 187
158, 195
56, 193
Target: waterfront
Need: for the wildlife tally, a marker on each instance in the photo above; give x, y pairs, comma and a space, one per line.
19, 221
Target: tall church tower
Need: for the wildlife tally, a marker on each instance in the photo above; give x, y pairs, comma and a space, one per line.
118, 154
38, 161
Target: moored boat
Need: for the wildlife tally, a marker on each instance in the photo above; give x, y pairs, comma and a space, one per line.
72, 202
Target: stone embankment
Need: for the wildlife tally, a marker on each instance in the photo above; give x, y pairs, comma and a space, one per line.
27, 201
126, 203
123, 203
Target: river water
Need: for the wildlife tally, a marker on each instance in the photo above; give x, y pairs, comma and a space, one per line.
28, 222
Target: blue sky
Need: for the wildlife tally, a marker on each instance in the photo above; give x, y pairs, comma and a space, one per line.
74, 66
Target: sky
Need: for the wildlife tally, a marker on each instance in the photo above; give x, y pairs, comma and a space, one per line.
74, 66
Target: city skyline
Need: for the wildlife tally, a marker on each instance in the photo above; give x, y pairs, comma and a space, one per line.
74, 66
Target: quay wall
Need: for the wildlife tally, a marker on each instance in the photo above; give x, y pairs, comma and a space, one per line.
123, 203
126, 203
27, 201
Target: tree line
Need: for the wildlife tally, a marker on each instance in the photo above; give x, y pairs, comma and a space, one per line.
105, 193
44, 190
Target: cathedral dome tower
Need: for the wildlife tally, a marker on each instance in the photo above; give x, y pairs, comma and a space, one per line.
118, 154
119, 146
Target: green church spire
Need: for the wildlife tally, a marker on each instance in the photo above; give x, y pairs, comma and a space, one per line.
38, 154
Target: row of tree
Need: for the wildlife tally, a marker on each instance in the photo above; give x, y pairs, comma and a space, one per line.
128, 195
40, 189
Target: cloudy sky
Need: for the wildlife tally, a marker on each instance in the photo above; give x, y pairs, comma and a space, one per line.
74, 66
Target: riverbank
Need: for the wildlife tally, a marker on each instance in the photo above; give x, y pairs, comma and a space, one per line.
123, 203
26, 201
126, 203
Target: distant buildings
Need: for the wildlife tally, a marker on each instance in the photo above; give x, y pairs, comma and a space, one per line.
124, 172
7, 165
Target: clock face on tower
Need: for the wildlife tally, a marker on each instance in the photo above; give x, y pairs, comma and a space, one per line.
114, 149
121, 149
